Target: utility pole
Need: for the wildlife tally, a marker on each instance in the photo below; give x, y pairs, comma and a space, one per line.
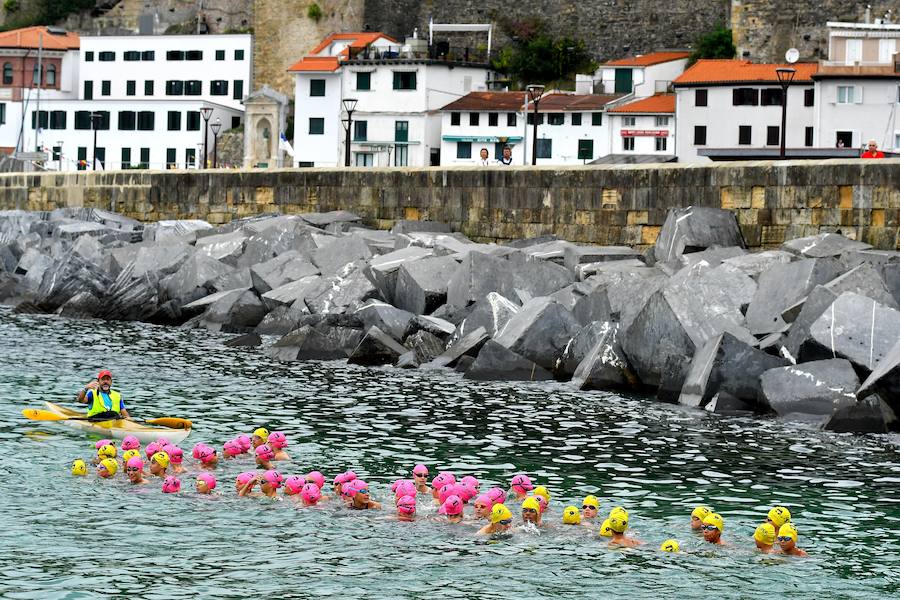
40, 79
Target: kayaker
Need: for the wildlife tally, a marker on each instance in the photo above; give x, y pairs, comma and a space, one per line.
104, 403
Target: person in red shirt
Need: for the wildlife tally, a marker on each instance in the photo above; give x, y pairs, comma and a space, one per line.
872, 151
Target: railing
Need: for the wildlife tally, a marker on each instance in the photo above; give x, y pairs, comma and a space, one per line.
439, 51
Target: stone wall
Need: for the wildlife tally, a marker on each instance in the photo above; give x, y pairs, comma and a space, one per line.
624, 205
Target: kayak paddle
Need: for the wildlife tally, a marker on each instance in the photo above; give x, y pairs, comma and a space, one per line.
37, 414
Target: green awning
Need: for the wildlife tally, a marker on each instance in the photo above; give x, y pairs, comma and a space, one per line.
489, 139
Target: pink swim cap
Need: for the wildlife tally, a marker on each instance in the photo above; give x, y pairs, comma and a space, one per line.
274, 478
129, 442
163, 441
345, 477
102, 443
310, 493
171, 485
134, 462
406, 505
207, 454
543, 502
485, 499
209, 479
317, 478
277, 440
397, 483
232, 448
420, 469
265, 452
244, 441
453, 505
496, 494
522, 482
470, 481
443, 478
353, 487
406, 488
293, 485
152, 448
176, 454
245, 477
466, 492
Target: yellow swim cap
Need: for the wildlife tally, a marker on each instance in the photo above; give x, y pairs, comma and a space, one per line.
716, 520
700, 512
531, 502
779, 516
605, 529
106, 451
670, 546
788, 530
262, 432
542, 491
161, 458
79, 467
571, 516
591, 501
111, 465
129, 454
500, 513
618, 519
765, 534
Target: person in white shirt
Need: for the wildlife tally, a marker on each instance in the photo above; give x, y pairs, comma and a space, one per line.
484, 161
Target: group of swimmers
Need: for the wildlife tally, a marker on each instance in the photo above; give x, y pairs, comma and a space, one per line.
165, 461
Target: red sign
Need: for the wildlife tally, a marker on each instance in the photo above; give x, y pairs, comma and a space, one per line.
645, 133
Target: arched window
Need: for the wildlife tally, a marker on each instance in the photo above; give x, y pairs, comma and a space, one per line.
51, 75
7, 74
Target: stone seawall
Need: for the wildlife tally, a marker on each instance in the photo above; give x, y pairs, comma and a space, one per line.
622, 205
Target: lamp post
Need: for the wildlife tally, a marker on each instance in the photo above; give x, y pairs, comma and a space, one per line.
349, 106
206, 113
534, 94
216, 127
95, 116
785, 77
59, 144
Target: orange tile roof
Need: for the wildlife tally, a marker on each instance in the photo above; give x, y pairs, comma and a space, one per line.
28, 38
488, 101
358, 40
740, 71
556, 102
660, 103
315, 63
331, 63
646, 60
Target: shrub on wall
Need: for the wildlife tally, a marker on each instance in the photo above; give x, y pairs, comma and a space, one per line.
314, 12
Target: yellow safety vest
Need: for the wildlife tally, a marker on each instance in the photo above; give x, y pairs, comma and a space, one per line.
97, 406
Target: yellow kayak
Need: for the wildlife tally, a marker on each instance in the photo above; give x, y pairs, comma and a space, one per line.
119, 428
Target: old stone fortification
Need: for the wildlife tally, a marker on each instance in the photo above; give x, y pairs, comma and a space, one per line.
606, 205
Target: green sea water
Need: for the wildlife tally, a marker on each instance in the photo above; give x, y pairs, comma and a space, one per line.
68, 537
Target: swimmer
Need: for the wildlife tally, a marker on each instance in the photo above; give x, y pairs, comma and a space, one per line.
483, 506
571, 516
531, 511
171, 485
605, 529
713, 525
231, 449
107, 468
472, 483
269, 482
778, 516
443, 478
293, 485
764, 536
520, 486
341, 480
317, 478
129, 442
406, 508
590, 506
244, 442
310, 494
206, 483
242, 480
208, 458
670, 546
542, 492
159, 462
787, 540
542, 501
278, 442
420, 478
618, 523
453, 508
697, 515
501, 521
134, 470
264, 457
129, 454
360, 496
260, 436
105, 451
404, 487
151, 449
176, 458
497, 495
79, 467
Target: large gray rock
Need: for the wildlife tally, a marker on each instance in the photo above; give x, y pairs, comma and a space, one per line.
871, 415
194, 278
885, 379
575, 256
539, 331
438, 327
341, 291
491, 313
322, 220
174, 229
425, 346
224, 247
570, 295
376, 348
754, 264
422, 284
604, 366
311, 343
382, 270
281, 320
496, 362
585, 271
579, 347
818, 301
387, 318
618, 296
468, 345
161, 260
696, 228
293, 292
284, 268
236, 310
239, 278
811, 391
275, 237
89, 249
823, 245
82, 305
334, 257
512, 275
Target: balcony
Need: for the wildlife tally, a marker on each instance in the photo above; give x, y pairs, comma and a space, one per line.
441, 52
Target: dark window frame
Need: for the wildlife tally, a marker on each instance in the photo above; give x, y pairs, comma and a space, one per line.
316, 126
745, 135
701, 97
317, 88
699, 135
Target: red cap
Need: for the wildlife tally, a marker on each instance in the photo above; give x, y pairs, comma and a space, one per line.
103, 374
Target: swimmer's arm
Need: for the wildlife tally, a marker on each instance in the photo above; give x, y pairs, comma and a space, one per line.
486, 530
248, 486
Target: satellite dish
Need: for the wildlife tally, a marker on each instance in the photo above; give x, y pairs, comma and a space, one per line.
792, 55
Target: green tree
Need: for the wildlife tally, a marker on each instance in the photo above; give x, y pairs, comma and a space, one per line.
534, 56
314, 12
715, 44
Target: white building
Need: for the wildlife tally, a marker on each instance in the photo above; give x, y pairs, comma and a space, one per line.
859, 86
399, 90
572, 128
642, 76
644, 127
733, 107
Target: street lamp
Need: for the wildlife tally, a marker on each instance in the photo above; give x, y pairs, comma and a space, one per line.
215, 129
95, 116
534, 94
59, 144
349, 106
206, 113
785, 77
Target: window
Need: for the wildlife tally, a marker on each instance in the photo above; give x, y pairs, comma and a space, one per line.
148, 55
530, 118
316, 87
847, 94
57, 153
175, 55
629, 121
127, 120
218, 87
174, 87
51, 75
511, 119
808, 137
106, 56
220, 55
364, 81
498, 150
662, 121
238, 55
404, 80
126, 158
58, 119
745, 97
473, 119
809, 97
82, 119
401, 131
88, 90
772, 135
401, 155
7, 73
628, 144
43, 117
596, 119
192, 121
556, 118
82, 158
131, 56
193, 55
102, 120
100, 157
576, 119
316, 126
193, 87
2, 113
190, 157
35, 76
238, 91
661, 144
130, 88
105, 88
493, 119
544, 148
89, 56
463, 149
771, 97
585, 149
235, 122
171, 157
148, 87
145, 158
454, 119
361, 131
701, 97
145, 120
173, 122
745, 134
854, 51
699, 135
365, 159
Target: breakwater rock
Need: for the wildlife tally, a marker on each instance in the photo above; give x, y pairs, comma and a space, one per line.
810, 331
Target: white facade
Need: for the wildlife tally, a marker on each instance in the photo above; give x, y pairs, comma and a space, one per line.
644, 134
645, 80
461, 141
